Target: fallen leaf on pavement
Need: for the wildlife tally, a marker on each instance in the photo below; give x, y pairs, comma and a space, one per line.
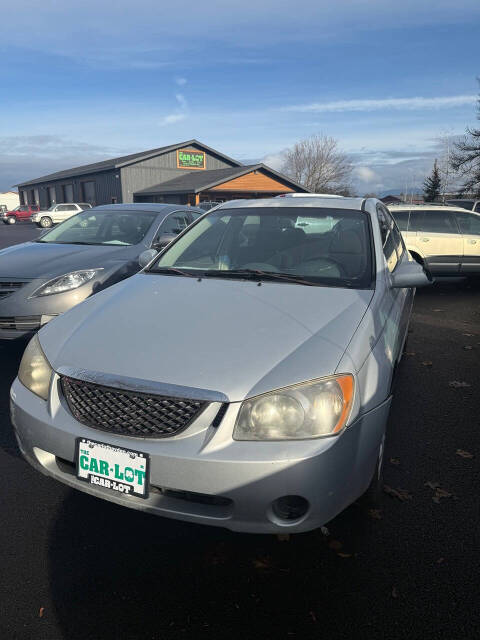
40, 613
394, 592
468, 347
464, 454
325, 531
401, 494
439, 492
437, 310
427, 363
262, 563
376, 514
335, 545
395, 461
440, 560
469, 335
344, 555
312, 615
456, 384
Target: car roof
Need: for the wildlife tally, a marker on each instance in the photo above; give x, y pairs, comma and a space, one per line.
156, 207
294, 203
424, 207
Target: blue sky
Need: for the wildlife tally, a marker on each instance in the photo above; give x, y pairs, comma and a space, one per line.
84, 81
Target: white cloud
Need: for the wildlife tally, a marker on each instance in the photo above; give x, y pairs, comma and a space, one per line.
274, 160
365, 174
181, 81
179, 114
172, 118
410, 104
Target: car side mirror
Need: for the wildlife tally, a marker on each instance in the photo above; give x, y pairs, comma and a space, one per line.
146, 256
411, 274
163, 240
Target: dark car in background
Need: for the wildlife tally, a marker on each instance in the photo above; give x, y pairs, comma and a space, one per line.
22, 213
85, 254
466, 203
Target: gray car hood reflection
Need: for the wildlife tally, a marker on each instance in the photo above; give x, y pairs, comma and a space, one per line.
224, 335
47, 260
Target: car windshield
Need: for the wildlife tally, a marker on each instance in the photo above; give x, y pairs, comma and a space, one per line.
301, 245
107, 227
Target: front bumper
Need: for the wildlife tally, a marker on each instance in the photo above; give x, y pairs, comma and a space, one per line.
203, 475
22, 315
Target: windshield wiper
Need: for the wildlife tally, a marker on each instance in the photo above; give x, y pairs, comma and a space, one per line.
165, 271
257, 274
60, 242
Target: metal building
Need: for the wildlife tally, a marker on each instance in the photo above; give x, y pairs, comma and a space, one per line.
184, 173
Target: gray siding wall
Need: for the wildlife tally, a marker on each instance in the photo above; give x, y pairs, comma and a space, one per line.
107, 186
160, 169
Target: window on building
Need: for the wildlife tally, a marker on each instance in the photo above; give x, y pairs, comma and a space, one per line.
68, 193
51, 196
88, 191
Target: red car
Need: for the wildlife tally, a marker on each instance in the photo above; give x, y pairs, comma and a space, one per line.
22, 213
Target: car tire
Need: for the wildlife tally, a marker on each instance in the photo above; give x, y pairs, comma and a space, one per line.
375, 488
11, 220
45, 222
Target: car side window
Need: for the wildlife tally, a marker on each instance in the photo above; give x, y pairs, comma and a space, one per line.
436, 221
401, 218
174, 223
469, 223
391, 238
477, 207
23, 209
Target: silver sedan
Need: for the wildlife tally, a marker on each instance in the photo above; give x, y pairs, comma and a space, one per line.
243, 379
83, 255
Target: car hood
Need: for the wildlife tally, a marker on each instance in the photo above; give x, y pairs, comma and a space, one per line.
232, 337
48, 260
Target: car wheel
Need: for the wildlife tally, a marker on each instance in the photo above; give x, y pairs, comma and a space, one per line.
375, 488
45, 222
11, 220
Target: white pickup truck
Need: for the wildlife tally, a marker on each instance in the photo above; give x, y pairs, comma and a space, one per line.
58, 213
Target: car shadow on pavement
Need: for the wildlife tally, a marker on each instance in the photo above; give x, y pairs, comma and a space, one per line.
10, 355
117, 573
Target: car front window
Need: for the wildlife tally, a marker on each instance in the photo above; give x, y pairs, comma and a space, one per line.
105, 227
319, 246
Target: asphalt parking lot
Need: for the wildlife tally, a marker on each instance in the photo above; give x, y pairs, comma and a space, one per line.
75, 567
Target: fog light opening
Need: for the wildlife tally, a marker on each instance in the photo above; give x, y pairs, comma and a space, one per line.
290, 508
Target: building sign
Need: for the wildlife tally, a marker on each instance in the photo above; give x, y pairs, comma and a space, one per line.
190, 159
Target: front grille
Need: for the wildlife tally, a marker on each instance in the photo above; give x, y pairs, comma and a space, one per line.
7, 288
129, 413
20, 323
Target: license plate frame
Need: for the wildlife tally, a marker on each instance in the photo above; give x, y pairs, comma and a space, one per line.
114, 456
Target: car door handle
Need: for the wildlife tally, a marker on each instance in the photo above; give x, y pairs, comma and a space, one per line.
425, 239
472, 242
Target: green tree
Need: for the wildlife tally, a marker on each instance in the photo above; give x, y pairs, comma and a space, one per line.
432, 185
466, 159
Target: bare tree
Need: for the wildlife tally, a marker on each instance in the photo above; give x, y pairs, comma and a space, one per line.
318, 164
466, 159
449, 177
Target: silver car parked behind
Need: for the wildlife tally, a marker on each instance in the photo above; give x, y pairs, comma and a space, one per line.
242, 380
83, 255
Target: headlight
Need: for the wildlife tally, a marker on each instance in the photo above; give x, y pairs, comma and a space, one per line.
35, 371
66, 283
309, 410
